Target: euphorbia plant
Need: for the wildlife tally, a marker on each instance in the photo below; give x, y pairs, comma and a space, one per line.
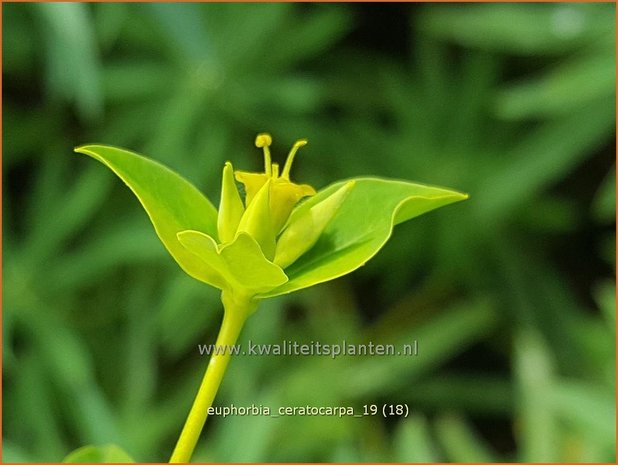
275, 238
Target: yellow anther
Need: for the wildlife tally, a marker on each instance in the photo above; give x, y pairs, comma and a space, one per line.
288, 163
263, 141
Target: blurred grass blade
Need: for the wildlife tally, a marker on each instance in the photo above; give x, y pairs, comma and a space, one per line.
605, 296
72, 206
587, 409
517, 28
67, 359
538, 297
73, 61
183, 25
480, 394
537, 434
460, 442
189, 298
311, 35
545, 155
98, 454
122, 244
413, 442
255, 26
12, 453
120, 78
33, 418
440, 338
604, 205
560, 91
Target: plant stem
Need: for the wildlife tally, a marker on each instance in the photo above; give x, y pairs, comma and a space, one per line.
234, 317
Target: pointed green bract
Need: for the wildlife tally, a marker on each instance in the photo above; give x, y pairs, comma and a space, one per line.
231, 207
241, 263
360, 228
172, 203
306, 225
257, 221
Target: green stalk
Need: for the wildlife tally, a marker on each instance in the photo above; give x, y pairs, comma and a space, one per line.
234, 317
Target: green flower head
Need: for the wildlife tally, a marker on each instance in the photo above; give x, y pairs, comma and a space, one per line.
269, 200
279, 236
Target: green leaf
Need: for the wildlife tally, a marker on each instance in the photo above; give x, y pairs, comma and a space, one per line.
172, 203
241, 264
99, 454
361, 227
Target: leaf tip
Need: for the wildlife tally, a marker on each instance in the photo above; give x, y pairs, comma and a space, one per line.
80, 148
459, 196
86, 149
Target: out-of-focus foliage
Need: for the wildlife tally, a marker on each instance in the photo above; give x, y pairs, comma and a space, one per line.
102, 454
511, 295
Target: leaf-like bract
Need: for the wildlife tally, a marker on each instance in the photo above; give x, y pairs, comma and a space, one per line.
361, 227
172, 203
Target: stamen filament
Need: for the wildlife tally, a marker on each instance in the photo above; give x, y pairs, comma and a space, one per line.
263, 141
275, 170
288, 163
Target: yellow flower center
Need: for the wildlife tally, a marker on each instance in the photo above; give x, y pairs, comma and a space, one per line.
284, 194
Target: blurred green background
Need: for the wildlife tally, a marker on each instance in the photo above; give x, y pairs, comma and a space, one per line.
510, 295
